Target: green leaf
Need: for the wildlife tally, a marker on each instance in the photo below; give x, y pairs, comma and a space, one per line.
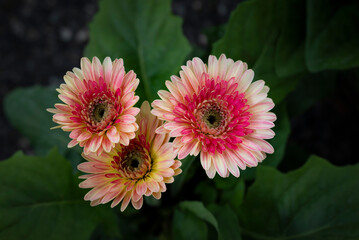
265, 69
206, 191
279, 142
187, 226
234, 196
25, 109
227, 222
249, 29
310, 90
189, 221
258, 33
290, 54
146, 35
332, 35
200, 211
40, 199
317, 201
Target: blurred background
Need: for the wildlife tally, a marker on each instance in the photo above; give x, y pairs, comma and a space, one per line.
41, 40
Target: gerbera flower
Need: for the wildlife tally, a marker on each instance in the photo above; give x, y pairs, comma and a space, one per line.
98, 105
218, 112
129, 172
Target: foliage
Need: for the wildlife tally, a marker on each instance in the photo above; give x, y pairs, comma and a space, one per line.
297, 47
317, 201
332, 41
41, 200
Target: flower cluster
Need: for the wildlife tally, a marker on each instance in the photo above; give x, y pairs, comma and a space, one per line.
213, 110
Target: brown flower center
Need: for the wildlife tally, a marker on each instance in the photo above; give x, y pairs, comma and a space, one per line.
211, 118
99, 112
133, 161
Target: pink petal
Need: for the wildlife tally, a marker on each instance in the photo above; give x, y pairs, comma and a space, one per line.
211, 172
260, 124
107, 69
72, 143
126, 201
245, 80
156, 195
95, 143
84, 136
86, 68
113, 135
205, 160
220, 165
137, 205
246, 156
97, 68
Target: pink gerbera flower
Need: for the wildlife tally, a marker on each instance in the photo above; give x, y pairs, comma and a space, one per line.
129, 172
218, 112
98, 105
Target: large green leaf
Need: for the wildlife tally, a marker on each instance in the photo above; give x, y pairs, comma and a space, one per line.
310, 90
332, 34
233, 196
186, 225
227, 222
250, 27
265, 69
145, 34
206, 192
222, 190
260, 34
189, 221
25, 109
40, 199
200, 211
317, 201
289, 51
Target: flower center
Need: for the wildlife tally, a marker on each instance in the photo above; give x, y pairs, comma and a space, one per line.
133, 161
100, 112
211, 118
99, 107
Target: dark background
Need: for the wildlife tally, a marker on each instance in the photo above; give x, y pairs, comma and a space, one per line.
41, 40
